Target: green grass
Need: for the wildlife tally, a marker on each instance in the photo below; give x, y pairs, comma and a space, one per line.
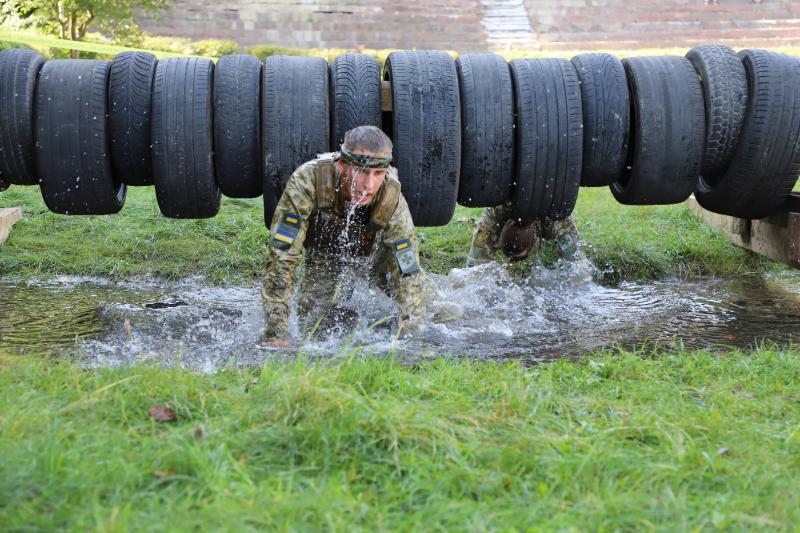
43, 42
679, 442
171, 46
625, 242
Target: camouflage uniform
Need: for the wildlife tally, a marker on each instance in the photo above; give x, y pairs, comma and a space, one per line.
485, 240
330, 239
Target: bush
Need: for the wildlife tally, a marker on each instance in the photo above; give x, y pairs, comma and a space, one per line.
209, 47
216, 47
262, 51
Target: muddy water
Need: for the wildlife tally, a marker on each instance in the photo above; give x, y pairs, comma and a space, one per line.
479, 312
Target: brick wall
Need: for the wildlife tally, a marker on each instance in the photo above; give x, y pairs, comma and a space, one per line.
459, 25
431, 24
581, 24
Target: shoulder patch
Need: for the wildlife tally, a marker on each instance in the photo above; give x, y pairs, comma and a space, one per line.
286, 232
405, 257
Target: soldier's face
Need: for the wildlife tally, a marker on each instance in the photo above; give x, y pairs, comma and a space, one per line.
359, 185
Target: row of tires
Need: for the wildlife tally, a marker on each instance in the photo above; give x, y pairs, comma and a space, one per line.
478, 130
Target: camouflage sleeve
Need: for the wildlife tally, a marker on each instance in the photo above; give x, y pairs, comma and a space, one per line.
566, 236
487, 234
399, 240
285, 250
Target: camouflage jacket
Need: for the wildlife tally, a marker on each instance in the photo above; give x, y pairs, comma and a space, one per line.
306, 219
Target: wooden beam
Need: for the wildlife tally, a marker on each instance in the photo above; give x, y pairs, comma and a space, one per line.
8, 217
776, 237
386, 96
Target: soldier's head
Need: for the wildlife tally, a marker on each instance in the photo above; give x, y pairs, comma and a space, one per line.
364, 162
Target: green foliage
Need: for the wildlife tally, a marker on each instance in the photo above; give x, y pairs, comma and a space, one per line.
265, 50
102, 47
329, 54
72, 19
208, 48
673, 442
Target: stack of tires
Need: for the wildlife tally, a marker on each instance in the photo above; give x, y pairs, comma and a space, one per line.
478, 130
721, 125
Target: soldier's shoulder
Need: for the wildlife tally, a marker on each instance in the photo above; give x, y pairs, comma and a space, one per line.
326, 158
402, 214
392, 174
321, 159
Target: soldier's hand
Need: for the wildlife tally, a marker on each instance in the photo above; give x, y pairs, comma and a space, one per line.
275, 342
407, 326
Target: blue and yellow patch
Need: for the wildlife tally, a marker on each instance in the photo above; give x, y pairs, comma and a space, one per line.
286, 232
401, 245
285, 236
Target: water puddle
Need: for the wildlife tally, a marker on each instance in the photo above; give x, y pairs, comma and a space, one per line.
480, 312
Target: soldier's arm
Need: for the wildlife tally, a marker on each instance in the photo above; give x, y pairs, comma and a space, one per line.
406, 277
566, 236
487, 234
285, 250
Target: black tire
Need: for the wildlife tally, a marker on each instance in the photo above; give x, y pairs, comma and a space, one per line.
766, 162
724, 85
183, 160
549, 139
667, 132
237, 125
426, 130
131, 90
296, 120
606, 106
72, 139
19, 68
487, 130
356, 95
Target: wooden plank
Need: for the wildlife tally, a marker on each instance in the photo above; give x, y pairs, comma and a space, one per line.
794, 238
8, 217
776, 237
386, 96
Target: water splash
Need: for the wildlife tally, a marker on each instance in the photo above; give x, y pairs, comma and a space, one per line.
478, 312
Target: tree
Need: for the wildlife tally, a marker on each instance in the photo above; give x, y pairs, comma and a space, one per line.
71, 19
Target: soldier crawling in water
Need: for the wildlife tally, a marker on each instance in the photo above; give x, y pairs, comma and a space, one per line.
498, 231
342, 209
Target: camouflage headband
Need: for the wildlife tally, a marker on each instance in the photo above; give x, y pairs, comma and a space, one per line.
362, 160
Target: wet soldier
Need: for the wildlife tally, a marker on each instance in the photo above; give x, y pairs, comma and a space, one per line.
343, 210
498, 231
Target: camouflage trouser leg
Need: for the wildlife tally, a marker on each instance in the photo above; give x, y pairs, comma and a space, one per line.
565, 234
487, 234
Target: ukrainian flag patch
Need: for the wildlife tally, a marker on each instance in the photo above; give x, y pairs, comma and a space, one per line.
286, 232
405, 257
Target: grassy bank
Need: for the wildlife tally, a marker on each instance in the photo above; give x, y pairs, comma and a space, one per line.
624, 242
680, 442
